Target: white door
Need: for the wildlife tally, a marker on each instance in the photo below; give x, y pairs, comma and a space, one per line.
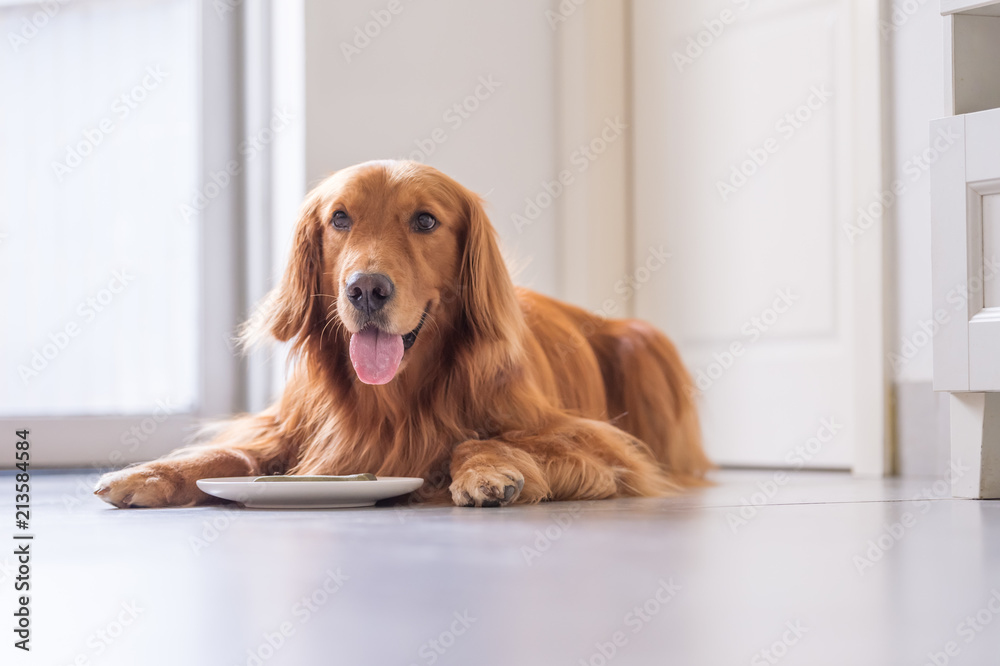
756, 142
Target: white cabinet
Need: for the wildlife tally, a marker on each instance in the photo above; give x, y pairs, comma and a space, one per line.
965, 218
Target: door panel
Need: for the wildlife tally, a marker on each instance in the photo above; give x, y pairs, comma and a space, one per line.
743, 170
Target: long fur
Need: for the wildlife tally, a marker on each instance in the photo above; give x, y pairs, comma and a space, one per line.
504, 388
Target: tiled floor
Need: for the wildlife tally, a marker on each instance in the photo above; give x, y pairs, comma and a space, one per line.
830, 570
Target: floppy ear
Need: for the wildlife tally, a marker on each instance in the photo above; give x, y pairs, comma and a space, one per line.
489, 303
289, 307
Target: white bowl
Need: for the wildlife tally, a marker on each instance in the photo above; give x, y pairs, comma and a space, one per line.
307, 494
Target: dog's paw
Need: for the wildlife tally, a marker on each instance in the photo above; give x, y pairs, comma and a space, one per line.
486, 485
143, 486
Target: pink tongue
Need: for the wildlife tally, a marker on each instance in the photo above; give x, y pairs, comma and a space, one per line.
376, 355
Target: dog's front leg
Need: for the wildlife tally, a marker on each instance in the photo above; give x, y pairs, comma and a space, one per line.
577, 459
247, 446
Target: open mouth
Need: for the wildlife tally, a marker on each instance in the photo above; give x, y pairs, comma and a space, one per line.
411, 337
376, 354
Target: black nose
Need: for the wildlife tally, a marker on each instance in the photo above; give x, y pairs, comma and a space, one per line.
369, 292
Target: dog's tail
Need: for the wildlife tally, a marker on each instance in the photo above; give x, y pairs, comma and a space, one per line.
651, 396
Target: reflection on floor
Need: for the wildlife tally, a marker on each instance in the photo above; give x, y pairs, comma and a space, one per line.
764, 568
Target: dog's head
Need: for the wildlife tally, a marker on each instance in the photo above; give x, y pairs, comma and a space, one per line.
386, 256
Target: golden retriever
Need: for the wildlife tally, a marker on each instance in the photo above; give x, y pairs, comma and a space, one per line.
415, 355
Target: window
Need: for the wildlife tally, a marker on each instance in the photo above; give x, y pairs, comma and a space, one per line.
119, 250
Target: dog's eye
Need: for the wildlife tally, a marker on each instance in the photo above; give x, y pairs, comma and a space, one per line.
424, 222
341, 220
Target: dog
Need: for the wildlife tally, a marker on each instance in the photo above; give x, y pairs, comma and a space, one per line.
412, 353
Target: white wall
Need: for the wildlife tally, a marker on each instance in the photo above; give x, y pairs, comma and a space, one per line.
916, 88
915, 96
390, 93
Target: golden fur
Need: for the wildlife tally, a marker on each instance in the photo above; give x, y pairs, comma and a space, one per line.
506, 395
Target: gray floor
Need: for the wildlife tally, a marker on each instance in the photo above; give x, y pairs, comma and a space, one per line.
832, 570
